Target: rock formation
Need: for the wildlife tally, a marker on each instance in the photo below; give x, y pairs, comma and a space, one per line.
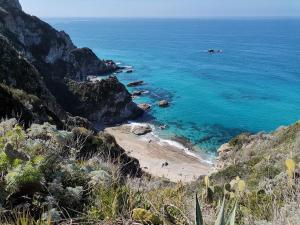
135, 83
163, 103
41, 61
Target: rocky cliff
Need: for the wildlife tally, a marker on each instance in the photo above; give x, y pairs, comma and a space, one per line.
22, 90
106, 101
47, 48
38, 60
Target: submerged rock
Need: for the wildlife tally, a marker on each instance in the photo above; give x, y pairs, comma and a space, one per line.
135, 83
213, 51
163, 103
137, 93
129, 71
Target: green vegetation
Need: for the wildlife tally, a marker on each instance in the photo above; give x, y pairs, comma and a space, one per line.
60, 175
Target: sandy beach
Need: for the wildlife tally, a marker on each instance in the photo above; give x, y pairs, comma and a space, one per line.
160, 158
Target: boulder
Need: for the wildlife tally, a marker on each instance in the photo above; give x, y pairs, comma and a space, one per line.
137, 93
141, 129
163, 103
129, 71
144, 106
135, 83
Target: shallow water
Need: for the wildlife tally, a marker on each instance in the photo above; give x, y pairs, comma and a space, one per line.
253, 85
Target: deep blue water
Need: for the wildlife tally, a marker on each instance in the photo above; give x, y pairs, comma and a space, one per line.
253, 85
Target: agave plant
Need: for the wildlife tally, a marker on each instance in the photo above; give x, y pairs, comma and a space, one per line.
221, 219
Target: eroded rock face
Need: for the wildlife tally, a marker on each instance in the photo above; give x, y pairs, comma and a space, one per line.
23, 93
41, 51
11, 3
51, 51
106, 101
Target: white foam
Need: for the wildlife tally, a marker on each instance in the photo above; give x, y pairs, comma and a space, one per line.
154, 137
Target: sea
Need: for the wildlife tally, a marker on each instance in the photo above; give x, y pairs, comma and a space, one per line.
250, 84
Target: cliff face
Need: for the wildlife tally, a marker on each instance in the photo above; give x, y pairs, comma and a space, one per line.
99, 102
46, 47
37, 59
23, 92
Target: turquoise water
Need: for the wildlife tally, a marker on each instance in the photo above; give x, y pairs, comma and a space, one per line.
253, 85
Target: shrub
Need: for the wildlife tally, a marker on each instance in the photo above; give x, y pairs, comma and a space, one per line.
22, 176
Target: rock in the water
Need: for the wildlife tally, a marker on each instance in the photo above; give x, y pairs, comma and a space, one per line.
135, 83
144, 106
162, 127
141, 129
129, 71
137, 93
163, 103
213, 51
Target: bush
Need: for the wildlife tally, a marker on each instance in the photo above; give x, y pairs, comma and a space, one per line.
23, 176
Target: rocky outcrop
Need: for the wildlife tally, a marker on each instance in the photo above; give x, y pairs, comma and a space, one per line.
43, 62
163, 103
51, 51
11, 3
26, 107
137, 93
106, 101
144, 106
19, 73
135, 83
23, 93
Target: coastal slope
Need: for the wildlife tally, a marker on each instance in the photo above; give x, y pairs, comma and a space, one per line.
61, 70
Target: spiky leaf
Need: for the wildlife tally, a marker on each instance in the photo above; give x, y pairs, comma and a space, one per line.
198, 218
221, 216
290, 164
206, 181
231, 218
241, 185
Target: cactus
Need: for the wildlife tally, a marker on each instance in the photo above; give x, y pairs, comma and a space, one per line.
208, 195
198, 217
291, 166
221, 220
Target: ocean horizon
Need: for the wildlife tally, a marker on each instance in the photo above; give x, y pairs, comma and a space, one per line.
253, 85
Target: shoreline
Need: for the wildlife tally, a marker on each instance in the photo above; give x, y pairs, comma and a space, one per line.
161, 158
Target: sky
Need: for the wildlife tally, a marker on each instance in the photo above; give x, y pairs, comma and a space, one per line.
161, 8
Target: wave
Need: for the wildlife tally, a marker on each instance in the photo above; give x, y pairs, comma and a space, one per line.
153, 136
